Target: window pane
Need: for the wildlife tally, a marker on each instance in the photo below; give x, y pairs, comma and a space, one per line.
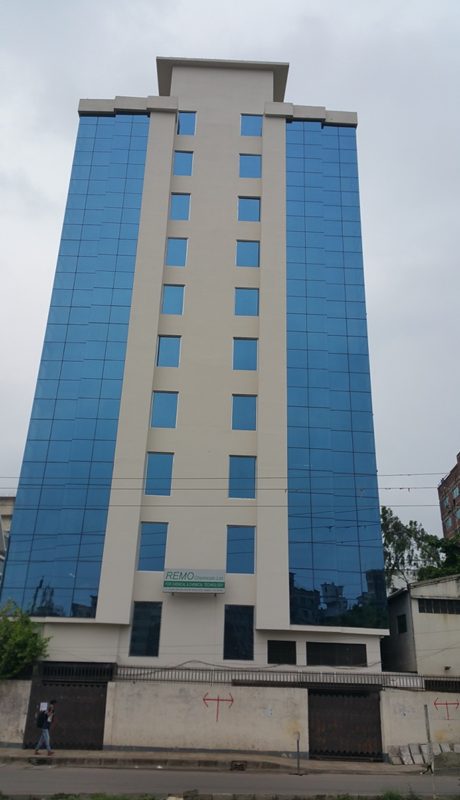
164, 409
168, 351
240, 549
183, 163
153, 546
279, 652
186, 123
244, 412
245, 354
159, 473
176, 253
173, 300
332, 654
250, 166
248, 209
180, 206
251, 124
242, 476
247, 302
247, 254
145, 633
239, 633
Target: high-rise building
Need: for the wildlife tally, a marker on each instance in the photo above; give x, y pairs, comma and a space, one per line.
449, 501
199, 479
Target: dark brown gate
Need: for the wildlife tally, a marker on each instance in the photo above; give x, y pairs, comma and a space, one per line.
80, 713
344, 724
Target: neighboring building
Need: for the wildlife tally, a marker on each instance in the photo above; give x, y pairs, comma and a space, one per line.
449, 501
6, 513
203, 403
424, 628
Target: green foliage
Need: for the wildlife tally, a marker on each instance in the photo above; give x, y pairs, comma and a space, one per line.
21, 641
391, 794
449, 558
407, 548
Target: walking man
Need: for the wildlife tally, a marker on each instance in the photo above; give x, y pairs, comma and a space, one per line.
48, 718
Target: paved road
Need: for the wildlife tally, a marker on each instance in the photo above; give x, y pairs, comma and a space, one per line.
49, 780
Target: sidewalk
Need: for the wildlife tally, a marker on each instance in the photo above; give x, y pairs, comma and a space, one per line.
174, 760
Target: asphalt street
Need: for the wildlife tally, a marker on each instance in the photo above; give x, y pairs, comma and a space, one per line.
47, 780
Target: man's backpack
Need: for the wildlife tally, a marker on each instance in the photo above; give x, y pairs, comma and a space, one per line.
41, 718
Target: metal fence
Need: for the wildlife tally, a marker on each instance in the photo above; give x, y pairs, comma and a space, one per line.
267, 677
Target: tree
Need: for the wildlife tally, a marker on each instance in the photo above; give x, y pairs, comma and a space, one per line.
408, 548
449, 552
21, 641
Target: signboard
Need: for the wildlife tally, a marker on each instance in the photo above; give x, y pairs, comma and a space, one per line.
194, 580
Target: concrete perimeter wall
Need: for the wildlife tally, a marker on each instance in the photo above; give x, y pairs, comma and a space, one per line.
203, 717
403, 717
14, 703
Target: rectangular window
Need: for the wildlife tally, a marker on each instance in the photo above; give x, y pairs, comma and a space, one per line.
145, 631
168, 354
240, 549
434, 606
245, 354
449, 522
247, 254
159, 473
180, 206
173, 299
251, 124
247, 302
401, 621
244, 412
242, 477
248, 209
239, 633
250, 166
164, 409
333, 654
186, 123
455, 492
176, 252
280, 652
183, 163
153, 546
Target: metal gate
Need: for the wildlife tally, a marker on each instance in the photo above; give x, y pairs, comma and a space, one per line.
80, 714
344, 724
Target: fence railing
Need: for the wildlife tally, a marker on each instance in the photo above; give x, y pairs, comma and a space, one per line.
265, 677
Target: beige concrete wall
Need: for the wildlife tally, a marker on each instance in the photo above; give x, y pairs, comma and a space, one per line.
175, 715
14, 703
403, 717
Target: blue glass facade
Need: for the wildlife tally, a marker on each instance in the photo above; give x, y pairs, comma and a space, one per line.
57, 533
335, 546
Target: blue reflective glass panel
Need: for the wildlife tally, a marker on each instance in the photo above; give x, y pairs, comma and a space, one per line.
180, 206
247, 254
251, 124
250, 166
244, 409
152, 547
173, 299
247, 302
240, 549
248, 209
242, 477
183, 163
186, 123
168, 354
145, 631
176, 252
159, 473
164, 409
245, 354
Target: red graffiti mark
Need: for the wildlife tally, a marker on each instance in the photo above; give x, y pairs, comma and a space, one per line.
437, 703
218, 700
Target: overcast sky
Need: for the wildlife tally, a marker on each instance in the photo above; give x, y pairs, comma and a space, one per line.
395, 62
